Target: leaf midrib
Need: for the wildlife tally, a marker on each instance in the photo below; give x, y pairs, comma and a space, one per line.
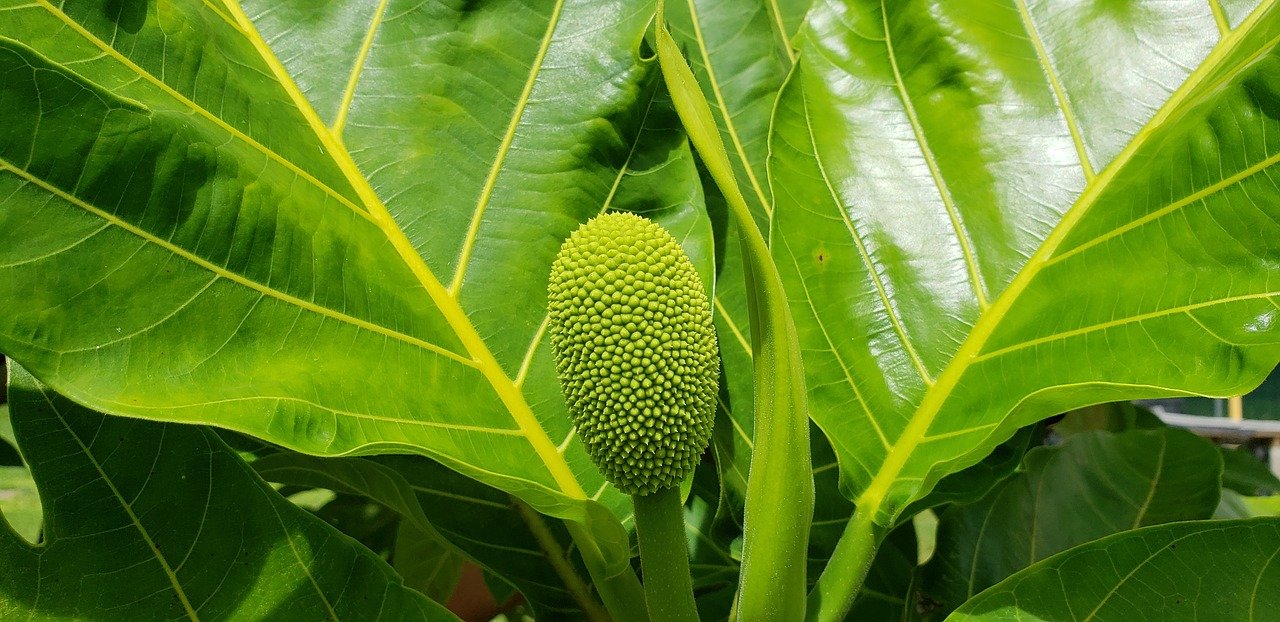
874, 496
221, 272
507, 390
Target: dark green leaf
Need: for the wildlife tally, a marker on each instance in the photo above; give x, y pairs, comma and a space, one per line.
481, 522
1111, 416
147, 520
1093, 485
1244, 473
1220, 570
976, 481
887, 593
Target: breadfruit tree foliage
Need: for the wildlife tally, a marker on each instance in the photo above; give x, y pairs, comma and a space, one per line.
308, 243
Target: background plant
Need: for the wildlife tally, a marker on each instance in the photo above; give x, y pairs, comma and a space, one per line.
329, 228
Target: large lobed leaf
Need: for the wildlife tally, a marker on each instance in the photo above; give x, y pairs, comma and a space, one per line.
198, 225
989, 212
144, 519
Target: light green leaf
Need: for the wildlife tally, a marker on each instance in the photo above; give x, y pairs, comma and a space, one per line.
199, 227
988, 213
143, 518
1093, 485
19, 499
6, 435
1219, 570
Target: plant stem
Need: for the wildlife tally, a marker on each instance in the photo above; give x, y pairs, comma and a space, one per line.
841, 580
779, 501
664, 556
620, 592
556, 556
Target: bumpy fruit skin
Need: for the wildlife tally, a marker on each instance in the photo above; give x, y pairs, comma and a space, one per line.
635, 349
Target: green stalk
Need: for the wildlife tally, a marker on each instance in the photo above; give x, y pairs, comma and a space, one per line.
842, 579
555, 554
664, 556
620, 591
779, 505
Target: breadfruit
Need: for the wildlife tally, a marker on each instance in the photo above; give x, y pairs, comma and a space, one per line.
635, 350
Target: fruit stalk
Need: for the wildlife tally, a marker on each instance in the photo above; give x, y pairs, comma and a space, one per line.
664, 556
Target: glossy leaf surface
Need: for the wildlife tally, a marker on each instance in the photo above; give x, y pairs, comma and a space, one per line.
990, 212
1221, 570
143, 519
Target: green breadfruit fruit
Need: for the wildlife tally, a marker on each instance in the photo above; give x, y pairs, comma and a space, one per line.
635, 349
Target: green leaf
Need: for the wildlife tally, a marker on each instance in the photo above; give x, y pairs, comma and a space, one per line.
973, 483
1221, 570
144, 518
427, 564
1093, 485
740, 57
1244, 473
200, 227
485, 524
831, 510
988, 215
8, 445
19, 499
1111, 416
711, 528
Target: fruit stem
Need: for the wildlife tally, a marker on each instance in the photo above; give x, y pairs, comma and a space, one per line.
664, 556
